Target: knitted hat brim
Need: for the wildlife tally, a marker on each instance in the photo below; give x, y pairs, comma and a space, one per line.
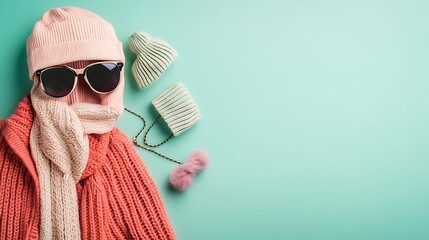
66, 52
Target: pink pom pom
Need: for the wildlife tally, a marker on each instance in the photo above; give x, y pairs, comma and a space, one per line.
181, 177
197, 161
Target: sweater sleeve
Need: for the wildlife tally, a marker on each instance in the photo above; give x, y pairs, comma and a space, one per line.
126, 197
18, 203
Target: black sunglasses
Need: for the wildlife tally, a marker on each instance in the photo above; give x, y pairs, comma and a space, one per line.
60, 81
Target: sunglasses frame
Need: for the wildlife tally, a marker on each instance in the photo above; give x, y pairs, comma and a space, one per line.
77, 72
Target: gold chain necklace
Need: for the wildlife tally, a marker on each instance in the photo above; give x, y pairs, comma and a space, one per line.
145, 136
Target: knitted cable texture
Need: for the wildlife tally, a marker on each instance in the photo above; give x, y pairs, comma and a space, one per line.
59, 147
60, 151
117, 197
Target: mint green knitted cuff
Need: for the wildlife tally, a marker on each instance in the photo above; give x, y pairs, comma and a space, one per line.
154, 56
178, 109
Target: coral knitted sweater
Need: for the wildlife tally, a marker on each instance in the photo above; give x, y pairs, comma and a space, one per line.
117, 197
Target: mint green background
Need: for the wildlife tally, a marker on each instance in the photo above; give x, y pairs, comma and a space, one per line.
315, 113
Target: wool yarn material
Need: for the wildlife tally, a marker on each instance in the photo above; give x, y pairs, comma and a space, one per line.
69, 34
117, 198
66, 172
178, 108
60, 149
58, 138
154, 56
75, 36
60, 152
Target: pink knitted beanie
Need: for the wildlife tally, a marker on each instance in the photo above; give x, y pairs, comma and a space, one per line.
59, 134
70, 34
76, 37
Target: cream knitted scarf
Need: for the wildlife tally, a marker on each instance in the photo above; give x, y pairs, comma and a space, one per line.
60, 149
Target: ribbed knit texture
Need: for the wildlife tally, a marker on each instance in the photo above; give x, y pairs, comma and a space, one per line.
59, 164
154, 56
19, 184
70, 34
177, 108
59, 147
117, 197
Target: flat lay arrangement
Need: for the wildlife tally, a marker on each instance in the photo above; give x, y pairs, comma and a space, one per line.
175, 106
214, 120
67, 172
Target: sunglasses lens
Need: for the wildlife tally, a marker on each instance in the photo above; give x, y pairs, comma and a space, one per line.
103, 77
58, 82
